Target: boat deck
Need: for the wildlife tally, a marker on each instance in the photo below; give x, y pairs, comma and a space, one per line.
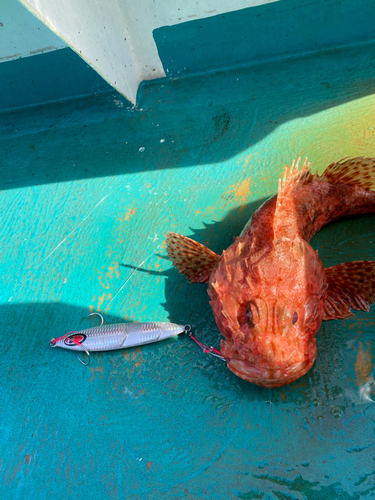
89, 188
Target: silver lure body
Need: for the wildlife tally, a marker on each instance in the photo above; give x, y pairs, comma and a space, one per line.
118, 336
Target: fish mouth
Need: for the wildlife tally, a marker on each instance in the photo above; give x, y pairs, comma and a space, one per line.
266, 377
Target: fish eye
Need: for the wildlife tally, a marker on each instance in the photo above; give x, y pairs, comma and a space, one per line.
295, 318
249, 314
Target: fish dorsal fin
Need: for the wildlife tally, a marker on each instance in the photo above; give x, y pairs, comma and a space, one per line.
350, 285
192, 259
358, 171
292, 179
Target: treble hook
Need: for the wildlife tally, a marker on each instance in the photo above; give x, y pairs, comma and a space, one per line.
87, 352
88, 359
93, 314
71, 334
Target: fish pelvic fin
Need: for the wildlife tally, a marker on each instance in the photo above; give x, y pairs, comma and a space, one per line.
191, 258
359, 171
350, 286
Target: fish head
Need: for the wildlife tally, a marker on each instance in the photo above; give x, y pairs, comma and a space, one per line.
269, 306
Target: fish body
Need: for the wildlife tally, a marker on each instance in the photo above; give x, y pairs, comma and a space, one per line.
117, 336
269, 290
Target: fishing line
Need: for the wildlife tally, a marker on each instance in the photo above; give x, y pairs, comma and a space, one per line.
72, 231
128, 278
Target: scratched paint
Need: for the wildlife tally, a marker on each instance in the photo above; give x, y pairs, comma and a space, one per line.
165, 420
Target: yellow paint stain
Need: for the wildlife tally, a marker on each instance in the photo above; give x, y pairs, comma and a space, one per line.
105, 277
243, 191
101, 299
238, 193
97, 368
130, 212
246, 163
134, 357
148, 185
363, 365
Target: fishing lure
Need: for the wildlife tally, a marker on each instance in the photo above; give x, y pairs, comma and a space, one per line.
117, 336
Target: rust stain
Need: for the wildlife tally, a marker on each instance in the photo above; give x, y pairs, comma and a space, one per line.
363, 365
13, 56
27, 459
44, 49
149, 465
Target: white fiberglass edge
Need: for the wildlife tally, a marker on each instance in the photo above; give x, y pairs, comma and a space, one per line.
115, 36
22, 35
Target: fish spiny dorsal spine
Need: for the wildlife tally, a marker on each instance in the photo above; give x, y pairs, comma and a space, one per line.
293, 177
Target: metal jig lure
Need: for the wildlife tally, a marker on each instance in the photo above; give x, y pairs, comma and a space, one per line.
117, 336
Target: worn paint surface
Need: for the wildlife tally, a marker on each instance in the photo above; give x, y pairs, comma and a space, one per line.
89, 187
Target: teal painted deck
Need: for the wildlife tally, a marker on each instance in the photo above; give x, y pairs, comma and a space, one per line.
89, 188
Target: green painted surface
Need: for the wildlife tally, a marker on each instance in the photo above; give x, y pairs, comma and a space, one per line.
268, 31
82, 204
53, 76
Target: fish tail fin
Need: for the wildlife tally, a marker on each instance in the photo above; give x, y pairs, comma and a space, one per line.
359, 171
191, 258
350, 286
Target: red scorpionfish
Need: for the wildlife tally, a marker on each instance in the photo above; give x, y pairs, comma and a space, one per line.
269, 290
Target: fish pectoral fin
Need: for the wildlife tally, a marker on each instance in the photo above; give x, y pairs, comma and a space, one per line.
192, 259
350, 286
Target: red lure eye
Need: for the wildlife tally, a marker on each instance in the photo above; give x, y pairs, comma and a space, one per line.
295, 318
